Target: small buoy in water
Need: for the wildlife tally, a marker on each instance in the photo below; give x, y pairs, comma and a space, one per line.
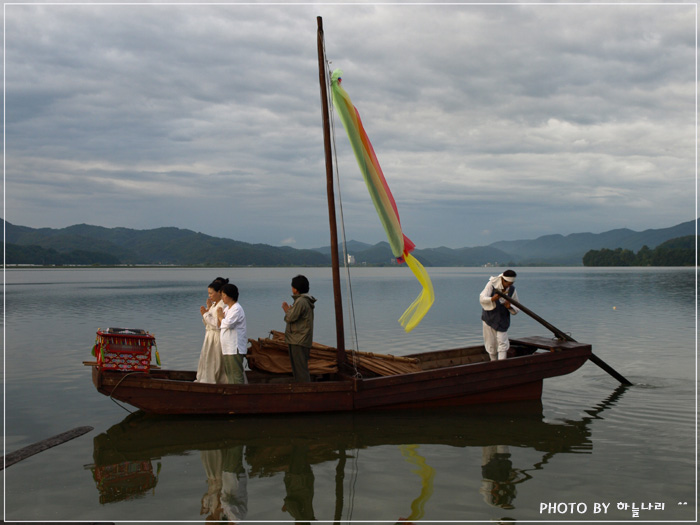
614, 307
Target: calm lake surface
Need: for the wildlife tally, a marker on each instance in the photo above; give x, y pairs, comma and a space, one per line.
590, 451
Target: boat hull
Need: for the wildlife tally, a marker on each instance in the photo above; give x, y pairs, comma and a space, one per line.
484, 382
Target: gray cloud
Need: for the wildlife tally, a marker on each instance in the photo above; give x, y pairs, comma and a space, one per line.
515, 120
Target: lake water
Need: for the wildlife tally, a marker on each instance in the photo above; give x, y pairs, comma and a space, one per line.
590, 451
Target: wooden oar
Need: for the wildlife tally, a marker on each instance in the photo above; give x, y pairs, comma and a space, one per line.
561, 335
30, 450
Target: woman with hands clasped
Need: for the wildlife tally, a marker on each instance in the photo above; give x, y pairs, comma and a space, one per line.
211, 368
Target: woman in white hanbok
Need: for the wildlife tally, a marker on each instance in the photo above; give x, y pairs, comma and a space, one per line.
211, 368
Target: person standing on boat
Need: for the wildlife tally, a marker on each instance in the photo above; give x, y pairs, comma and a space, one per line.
496, 313
299, 333
234, 340
210, 368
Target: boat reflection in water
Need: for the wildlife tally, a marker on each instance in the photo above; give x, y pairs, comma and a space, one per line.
234, 450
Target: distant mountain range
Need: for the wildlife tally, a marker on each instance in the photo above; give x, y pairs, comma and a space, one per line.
161, 246
545, 250
570, 249
85, 244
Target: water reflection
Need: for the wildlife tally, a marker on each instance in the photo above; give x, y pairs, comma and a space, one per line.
124, 479
235, 451
499, 477
426, 473
226, 498
211, 501
299, 485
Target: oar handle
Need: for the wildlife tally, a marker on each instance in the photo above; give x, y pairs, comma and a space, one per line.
561, 335
549, 326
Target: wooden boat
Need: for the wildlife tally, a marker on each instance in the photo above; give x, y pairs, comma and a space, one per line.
459, 376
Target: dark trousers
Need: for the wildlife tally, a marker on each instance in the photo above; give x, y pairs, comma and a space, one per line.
299, 356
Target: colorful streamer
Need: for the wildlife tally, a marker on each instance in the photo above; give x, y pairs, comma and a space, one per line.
401, 246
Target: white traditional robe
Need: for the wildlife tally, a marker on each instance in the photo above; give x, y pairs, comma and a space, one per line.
211, 368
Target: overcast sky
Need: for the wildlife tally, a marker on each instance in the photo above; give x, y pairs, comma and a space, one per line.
491, 122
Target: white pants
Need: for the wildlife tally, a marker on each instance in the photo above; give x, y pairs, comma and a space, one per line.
496, 343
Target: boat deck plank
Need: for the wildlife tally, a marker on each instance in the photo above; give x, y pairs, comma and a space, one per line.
551, 344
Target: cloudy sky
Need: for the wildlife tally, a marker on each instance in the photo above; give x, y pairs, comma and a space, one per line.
491, 122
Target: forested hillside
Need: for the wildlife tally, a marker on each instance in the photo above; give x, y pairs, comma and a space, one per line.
675, 252
85, 244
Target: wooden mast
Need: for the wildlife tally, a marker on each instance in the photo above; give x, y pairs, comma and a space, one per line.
322, 77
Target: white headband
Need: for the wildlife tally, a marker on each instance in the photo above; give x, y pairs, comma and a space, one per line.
508, 279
